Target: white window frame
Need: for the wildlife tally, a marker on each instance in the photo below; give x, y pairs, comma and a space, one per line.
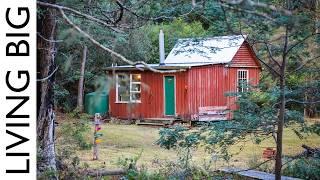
135, 92
130, 89
243, 78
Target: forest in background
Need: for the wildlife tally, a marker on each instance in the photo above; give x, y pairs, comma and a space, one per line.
283, 34
138, 40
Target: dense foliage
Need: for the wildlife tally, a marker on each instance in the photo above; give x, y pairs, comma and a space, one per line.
304, 168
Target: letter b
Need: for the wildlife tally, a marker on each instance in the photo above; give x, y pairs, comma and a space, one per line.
17, 46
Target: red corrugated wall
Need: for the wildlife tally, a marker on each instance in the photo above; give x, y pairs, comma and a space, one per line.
208, 85
245, 57
151, 97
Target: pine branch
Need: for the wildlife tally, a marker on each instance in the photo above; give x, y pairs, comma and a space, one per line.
77, 28
302, 102
111, 51
258, 4
271, 56
264, 63
299, 42
73, 11
305, 63
158, 17
266, 16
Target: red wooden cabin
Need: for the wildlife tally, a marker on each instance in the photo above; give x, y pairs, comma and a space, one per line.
208, 69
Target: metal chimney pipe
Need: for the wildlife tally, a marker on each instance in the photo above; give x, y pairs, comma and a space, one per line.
161, 47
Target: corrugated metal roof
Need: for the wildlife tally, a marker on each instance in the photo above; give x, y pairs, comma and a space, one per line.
157, 66
197, 52
214, 50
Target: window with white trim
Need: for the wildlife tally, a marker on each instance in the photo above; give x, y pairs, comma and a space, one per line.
128, 88
242, 80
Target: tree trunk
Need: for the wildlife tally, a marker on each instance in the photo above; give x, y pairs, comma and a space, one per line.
46, 50
278, 165
81, 79
317, 20
282, 109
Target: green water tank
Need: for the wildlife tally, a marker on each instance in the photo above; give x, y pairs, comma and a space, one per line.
96, 102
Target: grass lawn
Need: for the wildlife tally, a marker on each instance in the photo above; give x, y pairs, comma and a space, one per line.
120, 141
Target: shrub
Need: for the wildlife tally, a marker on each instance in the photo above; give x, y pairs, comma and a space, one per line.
77, 132
304, 168
72, 136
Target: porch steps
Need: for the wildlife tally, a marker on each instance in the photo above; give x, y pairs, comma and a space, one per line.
213, 113
156, 121
150, 124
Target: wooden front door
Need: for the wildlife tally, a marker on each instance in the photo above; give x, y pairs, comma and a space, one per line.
169, 96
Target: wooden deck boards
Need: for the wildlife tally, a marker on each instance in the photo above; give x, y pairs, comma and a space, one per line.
254, 174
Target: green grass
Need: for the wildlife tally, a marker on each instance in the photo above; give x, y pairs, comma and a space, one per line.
120, 141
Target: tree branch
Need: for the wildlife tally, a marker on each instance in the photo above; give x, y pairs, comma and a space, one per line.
49, 76
42, 37
248, 11
73, 11
155, 18
306, 62
121, 12
270, 55
266, 64
299, 42
303, 102
309, 152
259, 5
226, 19
111, 51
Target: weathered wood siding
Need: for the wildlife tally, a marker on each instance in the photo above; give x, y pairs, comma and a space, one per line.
209, 85
245, 57
152, 99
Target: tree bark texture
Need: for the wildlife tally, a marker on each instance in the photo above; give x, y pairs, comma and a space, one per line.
46, 50
282, 108
81, 79
278, 165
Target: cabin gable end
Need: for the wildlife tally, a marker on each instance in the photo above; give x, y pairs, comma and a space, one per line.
245, 57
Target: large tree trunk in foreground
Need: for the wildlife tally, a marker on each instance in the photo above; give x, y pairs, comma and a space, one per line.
46, 50
81, 79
